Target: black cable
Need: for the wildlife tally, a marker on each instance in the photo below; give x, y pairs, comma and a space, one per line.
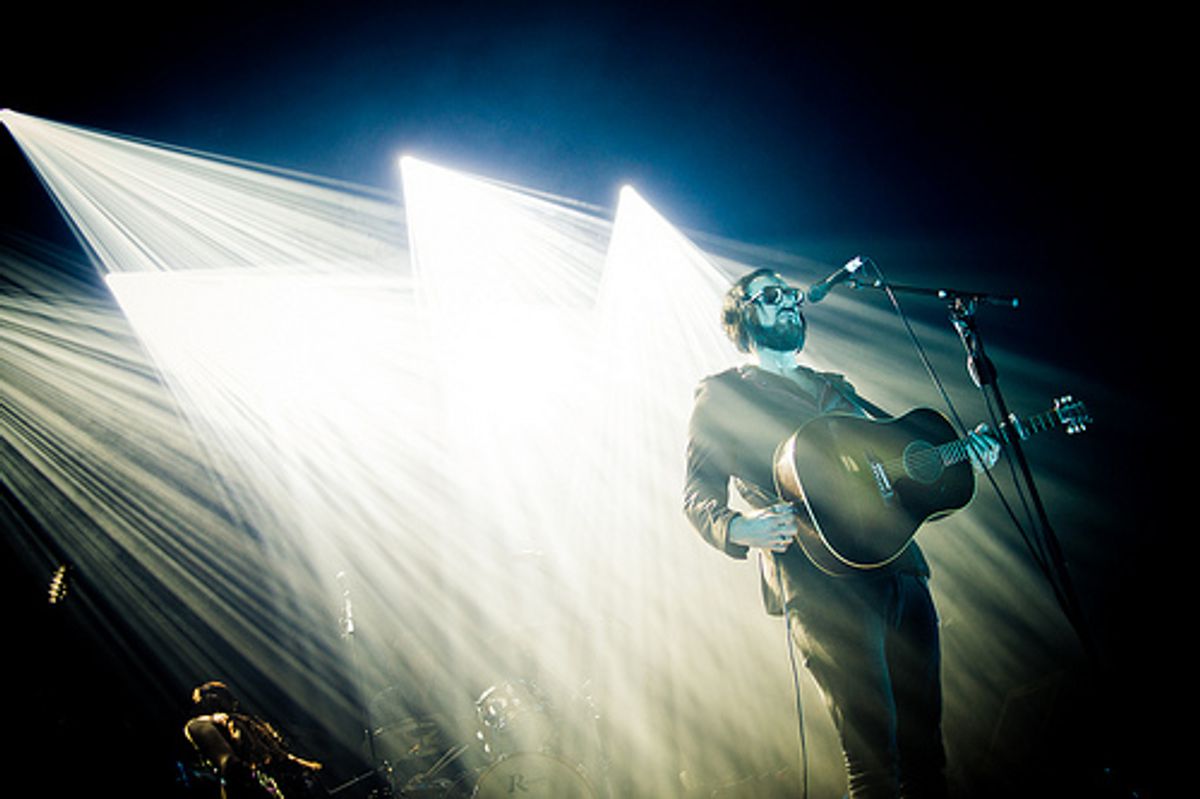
933, 375
795, 666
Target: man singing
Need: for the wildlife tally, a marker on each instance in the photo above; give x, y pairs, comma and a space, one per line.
870, 639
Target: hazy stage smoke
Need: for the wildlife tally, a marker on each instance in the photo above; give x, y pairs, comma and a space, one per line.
456, 420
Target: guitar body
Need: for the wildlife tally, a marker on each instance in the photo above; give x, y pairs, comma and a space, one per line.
869, 484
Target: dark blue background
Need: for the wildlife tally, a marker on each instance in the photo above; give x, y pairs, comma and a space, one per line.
768, 121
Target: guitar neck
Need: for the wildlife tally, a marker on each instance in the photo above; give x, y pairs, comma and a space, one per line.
956, 451
1038, 423
1067, 413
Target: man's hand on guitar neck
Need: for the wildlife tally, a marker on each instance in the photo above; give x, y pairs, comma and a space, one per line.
983, 448
771, 528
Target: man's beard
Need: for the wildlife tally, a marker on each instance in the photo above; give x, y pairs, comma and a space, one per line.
785, 335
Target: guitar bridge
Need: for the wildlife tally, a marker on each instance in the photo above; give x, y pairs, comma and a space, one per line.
882, 481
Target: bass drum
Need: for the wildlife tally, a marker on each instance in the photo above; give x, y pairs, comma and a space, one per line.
534, 775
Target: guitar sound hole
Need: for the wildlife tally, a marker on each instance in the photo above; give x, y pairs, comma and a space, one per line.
922, 462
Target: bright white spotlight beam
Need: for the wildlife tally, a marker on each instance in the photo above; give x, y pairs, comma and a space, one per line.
140, 206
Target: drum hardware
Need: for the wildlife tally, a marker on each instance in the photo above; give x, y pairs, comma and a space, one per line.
381, 777
348, 629
429, 780
409, 739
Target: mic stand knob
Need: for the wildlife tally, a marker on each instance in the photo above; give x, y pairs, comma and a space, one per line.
979, 365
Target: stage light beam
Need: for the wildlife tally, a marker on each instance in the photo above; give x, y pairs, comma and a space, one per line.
473, 407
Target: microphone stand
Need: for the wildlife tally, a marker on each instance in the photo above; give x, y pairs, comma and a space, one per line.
983, 373
379, 772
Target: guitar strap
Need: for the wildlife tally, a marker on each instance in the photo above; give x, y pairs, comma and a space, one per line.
843, 387
872, 410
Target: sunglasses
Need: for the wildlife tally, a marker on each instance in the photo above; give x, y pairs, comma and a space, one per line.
777, 295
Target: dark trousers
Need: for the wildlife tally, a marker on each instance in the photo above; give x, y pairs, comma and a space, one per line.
872, 646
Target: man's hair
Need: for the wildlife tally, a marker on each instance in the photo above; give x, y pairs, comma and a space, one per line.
214, 696
733, 317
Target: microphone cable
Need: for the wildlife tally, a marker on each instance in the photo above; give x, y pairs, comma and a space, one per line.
795, 669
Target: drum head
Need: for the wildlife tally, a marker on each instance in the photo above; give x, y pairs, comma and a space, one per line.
533, 775
516, 717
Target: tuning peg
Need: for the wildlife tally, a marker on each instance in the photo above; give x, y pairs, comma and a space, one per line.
1072, 414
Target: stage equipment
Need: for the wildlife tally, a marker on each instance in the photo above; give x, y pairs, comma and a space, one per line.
1041, 539
817, 291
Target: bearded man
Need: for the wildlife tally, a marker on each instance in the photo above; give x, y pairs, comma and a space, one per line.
869, 638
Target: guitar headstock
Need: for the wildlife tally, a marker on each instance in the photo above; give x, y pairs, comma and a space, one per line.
1072, 414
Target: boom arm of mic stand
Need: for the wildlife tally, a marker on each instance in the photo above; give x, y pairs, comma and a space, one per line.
976, 297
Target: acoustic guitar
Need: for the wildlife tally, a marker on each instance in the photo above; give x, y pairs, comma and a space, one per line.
869, 484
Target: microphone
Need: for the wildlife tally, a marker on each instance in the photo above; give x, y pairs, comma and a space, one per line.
817, 291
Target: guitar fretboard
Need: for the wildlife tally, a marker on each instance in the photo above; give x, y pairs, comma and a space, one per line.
957, 451
925, 460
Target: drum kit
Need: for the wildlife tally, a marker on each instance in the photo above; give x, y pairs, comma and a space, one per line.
524, 744
524, 736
